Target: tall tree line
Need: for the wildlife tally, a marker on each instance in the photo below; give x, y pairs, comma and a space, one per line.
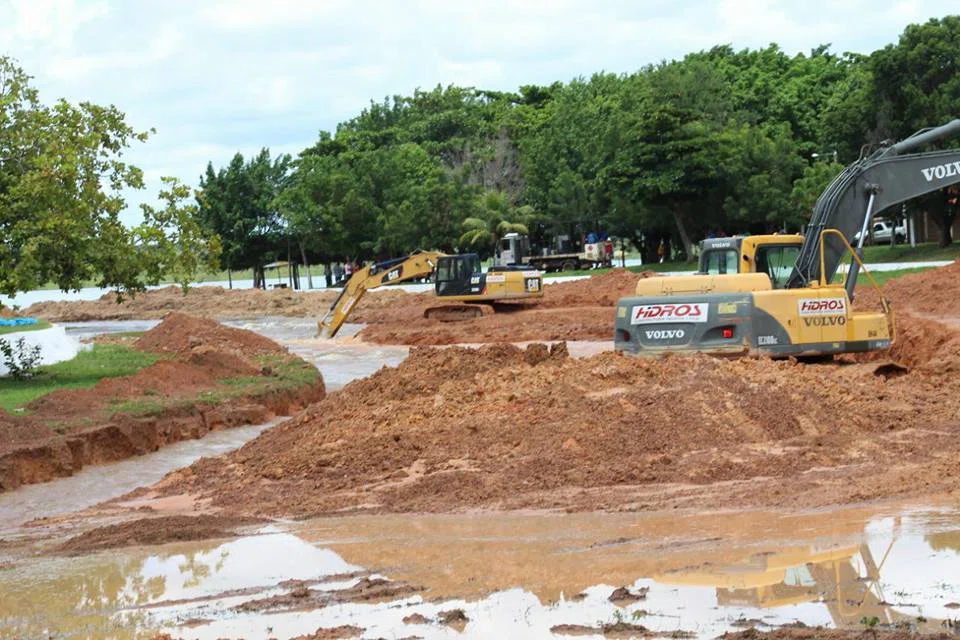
721, 140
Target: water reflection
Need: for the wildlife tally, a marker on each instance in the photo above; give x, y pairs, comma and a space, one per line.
511, 574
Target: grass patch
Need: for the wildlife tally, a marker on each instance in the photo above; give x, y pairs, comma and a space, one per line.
82, 372
39, 326
289, 373
906, 253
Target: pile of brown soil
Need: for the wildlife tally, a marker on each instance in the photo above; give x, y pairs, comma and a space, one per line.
203, 301
207, 301
160, 404
601, 290
934, 292
148, 531
180, 334
500, 427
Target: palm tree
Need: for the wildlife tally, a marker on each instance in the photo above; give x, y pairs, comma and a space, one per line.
482, 233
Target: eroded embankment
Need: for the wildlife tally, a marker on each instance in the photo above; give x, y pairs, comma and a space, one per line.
182, 396
500, 427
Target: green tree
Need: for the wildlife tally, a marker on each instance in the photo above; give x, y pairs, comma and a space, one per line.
760, 178
917, 85
237, 202
496, 218
61, 177
806, 189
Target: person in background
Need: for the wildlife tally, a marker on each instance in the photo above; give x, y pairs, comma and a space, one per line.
347, 269
337, 273
662, 250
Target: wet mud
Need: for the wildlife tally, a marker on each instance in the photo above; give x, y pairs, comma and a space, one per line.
428, 576
150, 531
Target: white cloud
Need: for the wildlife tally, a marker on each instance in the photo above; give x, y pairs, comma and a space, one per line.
256, 14
216, 77
46, 23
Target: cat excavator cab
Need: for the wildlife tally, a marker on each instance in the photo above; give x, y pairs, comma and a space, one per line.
459, 281
749, 307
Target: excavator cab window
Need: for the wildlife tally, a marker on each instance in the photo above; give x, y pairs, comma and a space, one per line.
719, 261
454, 274
777, 262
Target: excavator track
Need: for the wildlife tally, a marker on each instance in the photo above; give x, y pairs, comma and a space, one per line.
457, 312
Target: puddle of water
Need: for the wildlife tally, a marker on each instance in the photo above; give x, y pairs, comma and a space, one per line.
94, 484
514, 575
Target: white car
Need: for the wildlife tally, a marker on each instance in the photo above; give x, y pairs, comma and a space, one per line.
882, 230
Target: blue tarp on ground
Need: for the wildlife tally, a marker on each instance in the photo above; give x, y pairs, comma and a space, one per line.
16, 322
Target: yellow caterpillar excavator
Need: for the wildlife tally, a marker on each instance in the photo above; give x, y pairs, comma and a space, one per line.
776, 295
460, 282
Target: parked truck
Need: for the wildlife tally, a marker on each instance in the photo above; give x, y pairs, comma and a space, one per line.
514, 249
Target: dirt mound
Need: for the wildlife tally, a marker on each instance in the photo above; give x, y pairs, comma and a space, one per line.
601, 290
509, 324
503, 427
936, 291
933, 292
161, 378
922, 344
206, 301
180, 333
150, 531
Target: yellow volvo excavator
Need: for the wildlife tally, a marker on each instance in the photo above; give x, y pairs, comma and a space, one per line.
460, 283
776, 295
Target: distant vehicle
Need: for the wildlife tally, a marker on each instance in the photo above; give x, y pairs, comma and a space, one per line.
882, 230
514, 249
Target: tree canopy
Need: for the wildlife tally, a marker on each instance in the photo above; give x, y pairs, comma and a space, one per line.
61, 176
721, 140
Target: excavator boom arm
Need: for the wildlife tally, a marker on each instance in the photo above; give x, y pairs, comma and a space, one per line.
880, 180
416, 265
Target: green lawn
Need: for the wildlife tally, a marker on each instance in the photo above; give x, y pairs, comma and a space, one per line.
84, 371
41, 324
906, 253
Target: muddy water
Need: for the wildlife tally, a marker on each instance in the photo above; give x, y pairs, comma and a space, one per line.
513, 575
95, 484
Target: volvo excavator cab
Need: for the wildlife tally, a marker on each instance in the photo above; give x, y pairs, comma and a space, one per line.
773, 255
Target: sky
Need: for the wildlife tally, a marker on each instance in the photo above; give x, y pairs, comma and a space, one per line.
215, 77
